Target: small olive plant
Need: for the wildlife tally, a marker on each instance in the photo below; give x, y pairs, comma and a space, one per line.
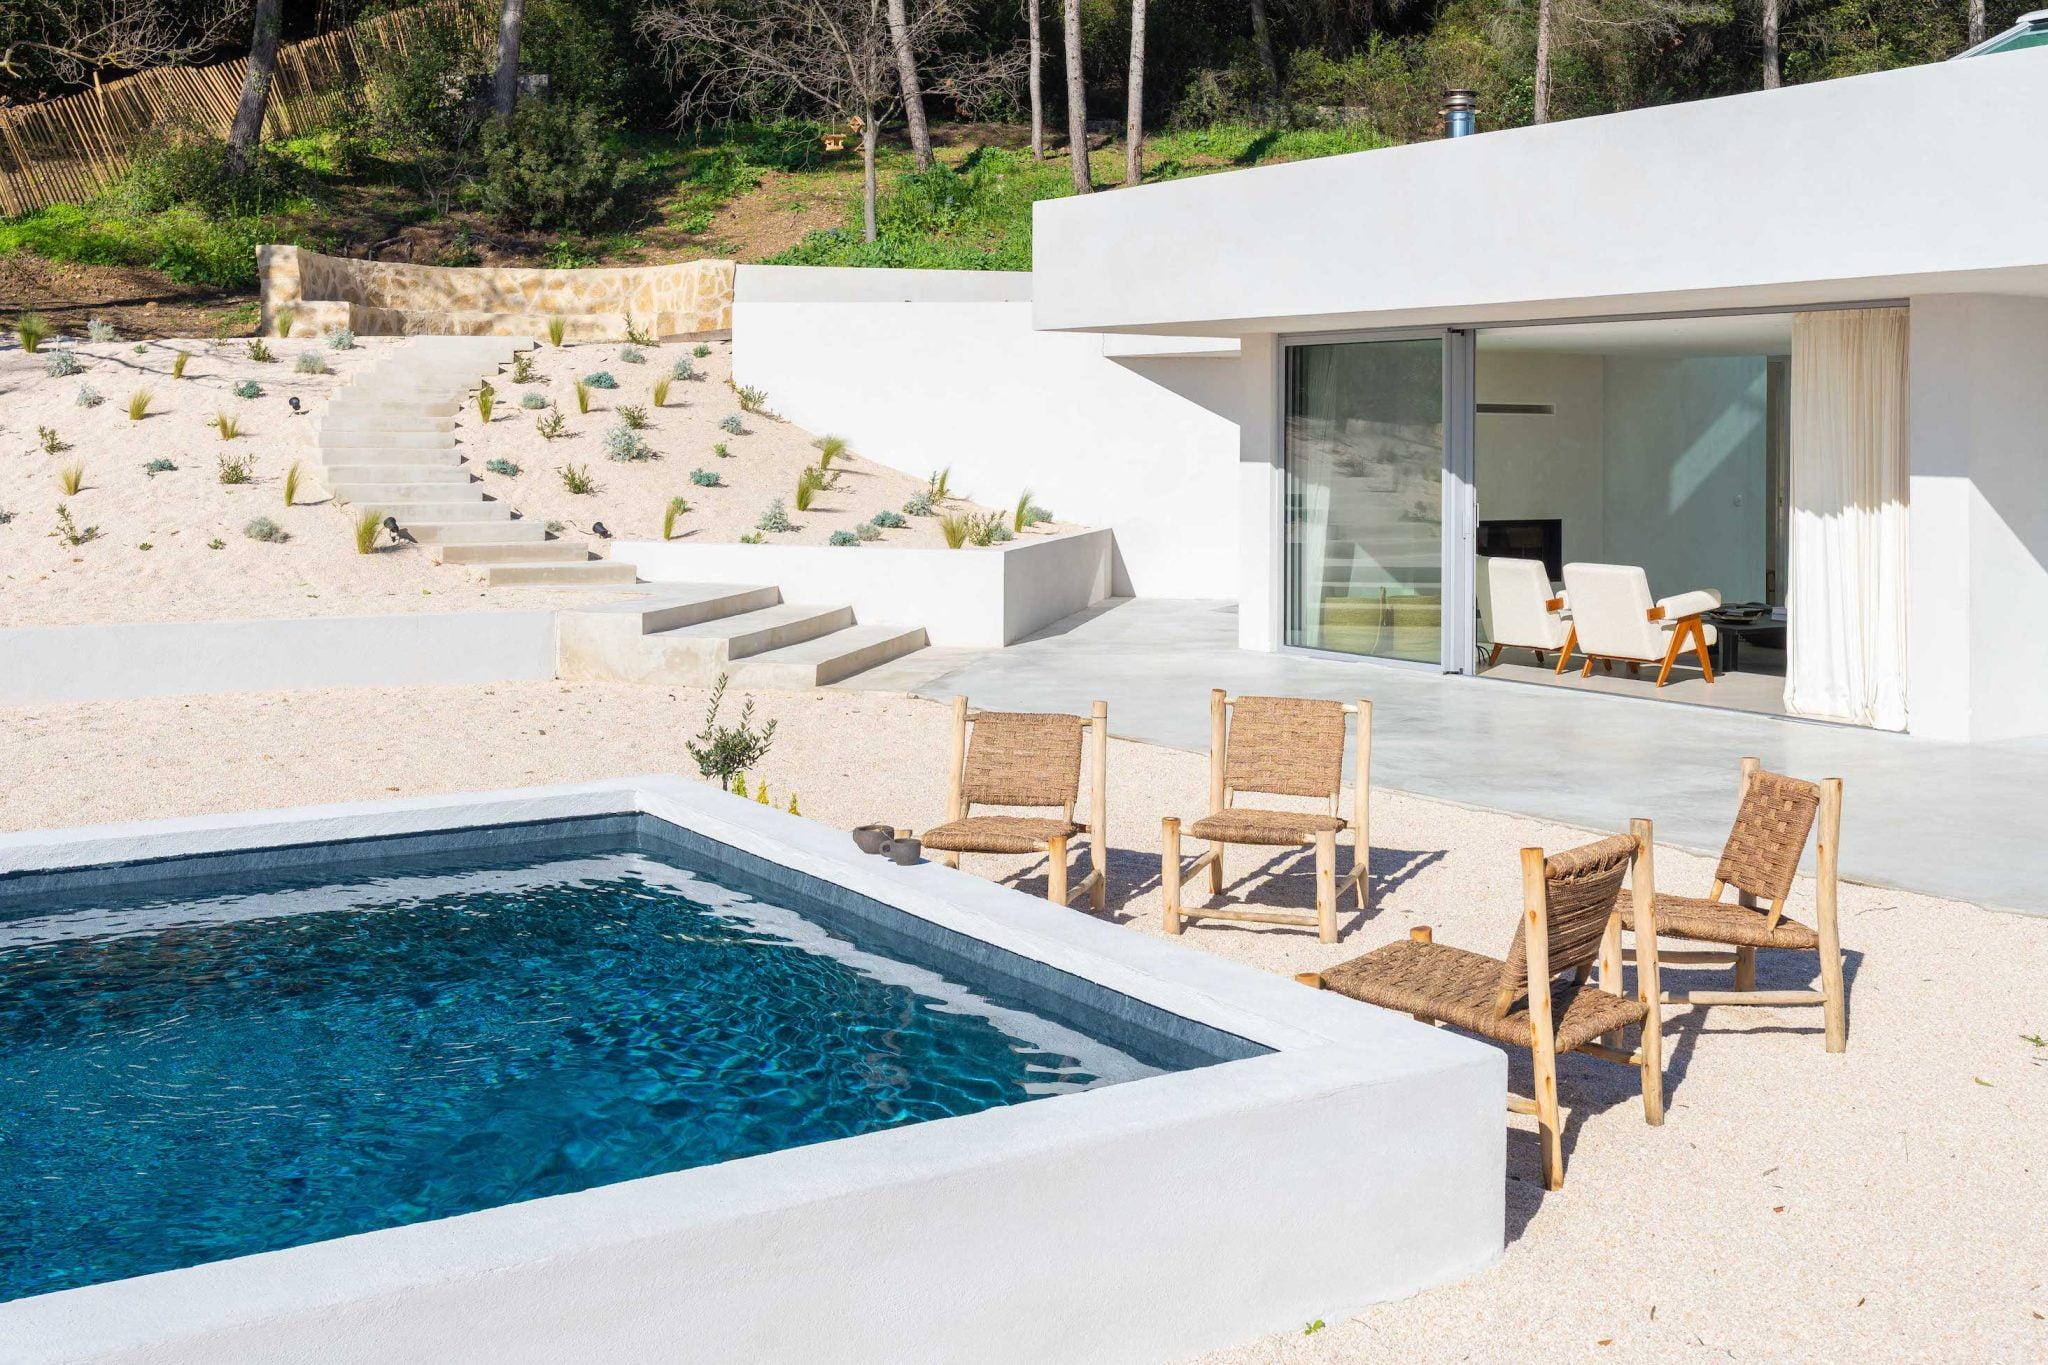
576, 479
639, 335
1028, 513
260, 352
70, 532
235, 469
700, 350
672, 514
551, 424
31, 330
634, 417
522, 368
723, 752
752, 399
50, 441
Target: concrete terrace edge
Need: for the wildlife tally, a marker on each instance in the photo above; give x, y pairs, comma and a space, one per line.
1362, 1159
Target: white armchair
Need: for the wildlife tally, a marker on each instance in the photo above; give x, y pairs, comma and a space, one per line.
1517, 609
1614, 617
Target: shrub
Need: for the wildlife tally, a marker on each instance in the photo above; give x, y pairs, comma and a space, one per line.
99, 329
486, 399
61, 364
532, 402
292, 474
341, 339
502, 466
550, 165
661, 392
774, 519
228, 427
552, 425
160, 466
71, 478
260, 352
670, 515
920, 505
70, 532
89, 397
706, 478
632, 355
50, 441
683, 369
730, 424
751, 398
867, 530
1027, 513
264, 529
138, 404
888, 519
522, 367
624, 445
939, 484
721, 450
955, 526
558, 326
724, 752
30, 329
807, 485
752, 538
830, 448
600, 379
283, 321
582, 396
633, 417
700, 350
235, 469
178, 362
366, 526
576, 478
638, 335
843, 538
312, 362
248, 388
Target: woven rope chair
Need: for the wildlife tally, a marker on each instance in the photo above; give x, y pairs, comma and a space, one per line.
1023, 759
1277, 746
1571, 917
1760, 861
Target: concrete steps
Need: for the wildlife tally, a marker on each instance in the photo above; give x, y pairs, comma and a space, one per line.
594, 573
827, 659
516, 552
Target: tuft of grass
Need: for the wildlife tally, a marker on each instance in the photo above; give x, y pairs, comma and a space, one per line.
558, 326
31, 330
178, 363
940, 483
731, 425
50, 441
634, 417
486, 399
807, 485
264, 529
138, 404
830, 448
160, 466
366, 526
552, 425
672, 514
522, 367
312, 362
1019, 518
576, 478
956, 527
502, 466
661, 391
70, 532
227, 425
248, 388
284, 320
71, 478
706, 478
292, 474
235, 469
582, 397
775, 518
260, 352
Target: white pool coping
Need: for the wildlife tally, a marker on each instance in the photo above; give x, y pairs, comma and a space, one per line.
1362, 1159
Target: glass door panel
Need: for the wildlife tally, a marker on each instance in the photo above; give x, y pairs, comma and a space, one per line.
1364, 447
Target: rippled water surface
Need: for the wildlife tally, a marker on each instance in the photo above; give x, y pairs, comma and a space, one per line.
186, 1080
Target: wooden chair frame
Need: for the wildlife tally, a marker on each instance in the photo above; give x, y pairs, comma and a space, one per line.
1571, 637
1095, 827
1329, 888
1832, 997
1648, 1055
1688, 628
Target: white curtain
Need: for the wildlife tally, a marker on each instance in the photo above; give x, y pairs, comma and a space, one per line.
1846, 598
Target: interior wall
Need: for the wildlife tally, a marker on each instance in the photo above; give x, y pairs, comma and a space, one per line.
1542, 465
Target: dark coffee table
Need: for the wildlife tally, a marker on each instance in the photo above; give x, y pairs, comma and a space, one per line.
1734, 624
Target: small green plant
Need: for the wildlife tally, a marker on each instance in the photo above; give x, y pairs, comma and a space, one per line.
227, 425
89, 397
60, 364
50, 441
940, 484
138, 404
216, 544
808, 484
582, 396
792, 805
721, 450
752, 538
1313, 1328
552, 425
706, 478
522, 367
888, 519
725, 752
557, 327
292, 474
920, 504
341, 339
235, 469
700, 350
70, 532
624, 446
633, 416
867, 530
955, 527
284, 320
638, 335
576, 478
683, 369
260, 352
830, 448
1027, 513
532, 402
843, 538
502, 466
31, 329
731, 425
661, 391
671, 514
486, 399
751, 398
600, 379
988, 528
248, 388
366, 526
312, 362
632, 355
179, 360
100, 330
160, 465
775, 518
71, 478
264, 529
145, 545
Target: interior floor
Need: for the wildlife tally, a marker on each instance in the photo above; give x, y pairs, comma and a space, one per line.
1757, 687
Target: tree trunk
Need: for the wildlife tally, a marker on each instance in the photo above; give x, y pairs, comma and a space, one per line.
505, 85
247, 130
868, 137
1541, 112
1771, 74
1077, 99
1134, 112
1262, 39
1976, 22
906, 80
1037, 85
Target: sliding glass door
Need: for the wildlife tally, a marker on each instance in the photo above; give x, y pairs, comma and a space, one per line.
1365, 455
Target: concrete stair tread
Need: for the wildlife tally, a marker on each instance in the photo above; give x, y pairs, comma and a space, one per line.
678, 604
828, 658
475, 532
590, 571
750, 632
517, 552
454, 475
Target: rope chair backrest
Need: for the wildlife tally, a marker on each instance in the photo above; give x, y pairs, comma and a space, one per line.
1022, 758
1762, 854
1285, 746
1581, 886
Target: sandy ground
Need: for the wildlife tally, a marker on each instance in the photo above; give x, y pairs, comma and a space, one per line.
1887, 1203
759, 466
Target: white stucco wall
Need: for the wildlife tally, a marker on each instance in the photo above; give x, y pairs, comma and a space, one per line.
923, 370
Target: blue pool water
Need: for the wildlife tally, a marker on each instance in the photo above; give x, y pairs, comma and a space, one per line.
186, 1078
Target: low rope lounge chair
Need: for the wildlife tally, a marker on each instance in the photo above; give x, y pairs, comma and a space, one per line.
1024, 759
1277, 746
1571, 916
1760, 861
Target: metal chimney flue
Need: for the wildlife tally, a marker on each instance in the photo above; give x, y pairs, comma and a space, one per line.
1461, 113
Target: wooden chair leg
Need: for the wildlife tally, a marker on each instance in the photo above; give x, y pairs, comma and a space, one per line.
1610, 969
1493, 656
1216, 870
1549, 1126
1098, 898
1671, 652
950, 859
1745, 969
1827, 888
1652, 1067
1587, 671
1056, 869
1169, 875
1699, 647
1571, 642
1326, 886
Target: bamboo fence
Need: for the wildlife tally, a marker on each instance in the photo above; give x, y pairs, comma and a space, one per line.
70, 148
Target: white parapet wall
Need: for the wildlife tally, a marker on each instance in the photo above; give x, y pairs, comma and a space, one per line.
930, 369
980, 597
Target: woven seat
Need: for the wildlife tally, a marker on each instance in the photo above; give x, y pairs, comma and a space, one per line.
1724, 922
999, 834
1461, 988
1245, 826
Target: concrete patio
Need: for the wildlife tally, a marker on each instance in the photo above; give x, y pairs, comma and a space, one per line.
1962, 821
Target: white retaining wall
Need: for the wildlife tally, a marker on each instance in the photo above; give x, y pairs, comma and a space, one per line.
153, 659
929, 369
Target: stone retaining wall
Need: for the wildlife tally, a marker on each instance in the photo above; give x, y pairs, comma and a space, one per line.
392, 298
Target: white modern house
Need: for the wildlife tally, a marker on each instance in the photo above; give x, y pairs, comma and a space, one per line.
1789, 349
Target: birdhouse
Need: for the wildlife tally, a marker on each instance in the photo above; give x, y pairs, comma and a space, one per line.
835, 142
